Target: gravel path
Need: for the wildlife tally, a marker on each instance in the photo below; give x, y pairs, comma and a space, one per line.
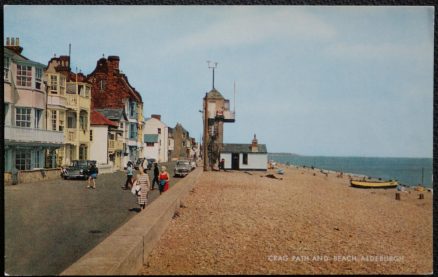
306, 223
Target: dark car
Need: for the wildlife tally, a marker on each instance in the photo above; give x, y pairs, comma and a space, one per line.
78, 169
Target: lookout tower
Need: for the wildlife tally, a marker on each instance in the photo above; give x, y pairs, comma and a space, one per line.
216, 112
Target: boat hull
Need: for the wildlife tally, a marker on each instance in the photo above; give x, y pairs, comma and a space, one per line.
374, 185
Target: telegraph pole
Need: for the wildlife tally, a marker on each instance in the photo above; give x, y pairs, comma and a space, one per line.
206, 158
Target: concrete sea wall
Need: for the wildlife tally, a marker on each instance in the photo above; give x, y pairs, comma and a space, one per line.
125, 251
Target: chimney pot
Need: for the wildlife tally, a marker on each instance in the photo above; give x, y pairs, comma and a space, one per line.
17, 41
8, 43
12, 41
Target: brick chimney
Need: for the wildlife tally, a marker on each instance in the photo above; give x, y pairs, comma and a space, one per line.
254, 145
156, 116
113, 63
14, 45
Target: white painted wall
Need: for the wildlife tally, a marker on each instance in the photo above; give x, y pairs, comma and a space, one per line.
160, 150
255, 161
99, 145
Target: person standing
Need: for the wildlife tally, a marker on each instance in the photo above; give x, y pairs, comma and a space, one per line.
92, 176
164, 180
222, 165
129, 174
142, 179
156, 175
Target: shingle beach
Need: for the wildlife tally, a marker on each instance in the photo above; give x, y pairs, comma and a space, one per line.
305, 223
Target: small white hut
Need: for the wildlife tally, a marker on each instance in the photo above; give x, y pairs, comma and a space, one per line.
252, 156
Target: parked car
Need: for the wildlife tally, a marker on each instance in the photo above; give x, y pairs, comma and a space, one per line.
78, 169
182, 168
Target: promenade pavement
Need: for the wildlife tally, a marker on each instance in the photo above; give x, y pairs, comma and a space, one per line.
51, 224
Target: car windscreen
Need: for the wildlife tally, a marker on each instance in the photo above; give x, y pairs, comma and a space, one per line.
182, 163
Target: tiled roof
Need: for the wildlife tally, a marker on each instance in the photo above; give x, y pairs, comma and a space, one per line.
150, 138
99, 119
242, 148
112, 114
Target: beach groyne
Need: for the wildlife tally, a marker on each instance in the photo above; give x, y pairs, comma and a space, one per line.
126, 250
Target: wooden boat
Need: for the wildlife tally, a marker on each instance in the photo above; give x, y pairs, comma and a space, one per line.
373, 184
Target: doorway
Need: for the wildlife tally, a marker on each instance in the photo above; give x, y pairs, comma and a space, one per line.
235, 161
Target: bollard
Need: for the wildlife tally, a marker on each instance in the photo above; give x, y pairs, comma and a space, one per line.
421, 196
397, 196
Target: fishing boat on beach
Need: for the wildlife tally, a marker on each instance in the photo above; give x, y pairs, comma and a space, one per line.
374, 184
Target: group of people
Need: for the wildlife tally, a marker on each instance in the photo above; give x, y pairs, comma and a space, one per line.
161, 178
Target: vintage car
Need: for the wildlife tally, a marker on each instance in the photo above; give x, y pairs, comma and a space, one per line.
78, 169
182, 168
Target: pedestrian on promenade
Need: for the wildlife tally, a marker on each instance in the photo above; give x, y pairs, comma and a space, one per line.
142, 179
93, 175
129, 174
222, 165
164, 180
156, 175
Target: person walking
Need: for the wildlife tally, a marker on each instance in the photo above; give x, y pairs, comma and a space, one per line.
142, 179
129, 174
164, 180
93, 175
156, 175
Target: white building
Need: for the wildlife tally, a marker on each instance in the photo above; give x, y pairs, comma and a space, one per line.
102, 137
155, 139
252, 156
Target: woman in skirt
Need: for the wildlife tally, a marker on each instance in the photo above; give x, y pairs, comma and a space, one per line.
143, 181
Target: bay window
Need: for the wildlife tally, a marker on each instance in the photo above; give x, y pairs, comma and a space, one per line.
22, 117
24, 75
38, 77
7, 62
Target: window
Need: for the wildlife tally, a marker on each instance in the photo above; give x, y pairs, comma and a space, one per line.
81, 90
61, 120
6, 66
38, 77
133, 131
22, 117
245, 158
6, 113
87, 91
82, 152
54, 84
71, 123
24, 75
37, 159
54, 120
149, 144
159, 130
83, 122
22, 159
38, 114
102, 85
121, 124
132, 109
62, 84
91, 135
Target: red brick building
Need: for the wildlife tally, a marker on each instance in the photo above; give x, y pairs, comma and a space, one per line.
111, 90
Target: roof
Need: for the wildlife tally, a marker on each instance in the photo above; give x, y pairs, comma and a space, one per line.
242, 148
214, 94
20, 59
99, 119
150, 138
112, 114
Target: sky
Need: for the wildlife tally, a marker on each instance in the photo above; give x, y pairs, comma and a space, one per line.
310, 80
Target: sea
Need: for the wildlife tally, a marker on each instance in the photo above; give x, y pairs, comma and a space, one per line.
407, 171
